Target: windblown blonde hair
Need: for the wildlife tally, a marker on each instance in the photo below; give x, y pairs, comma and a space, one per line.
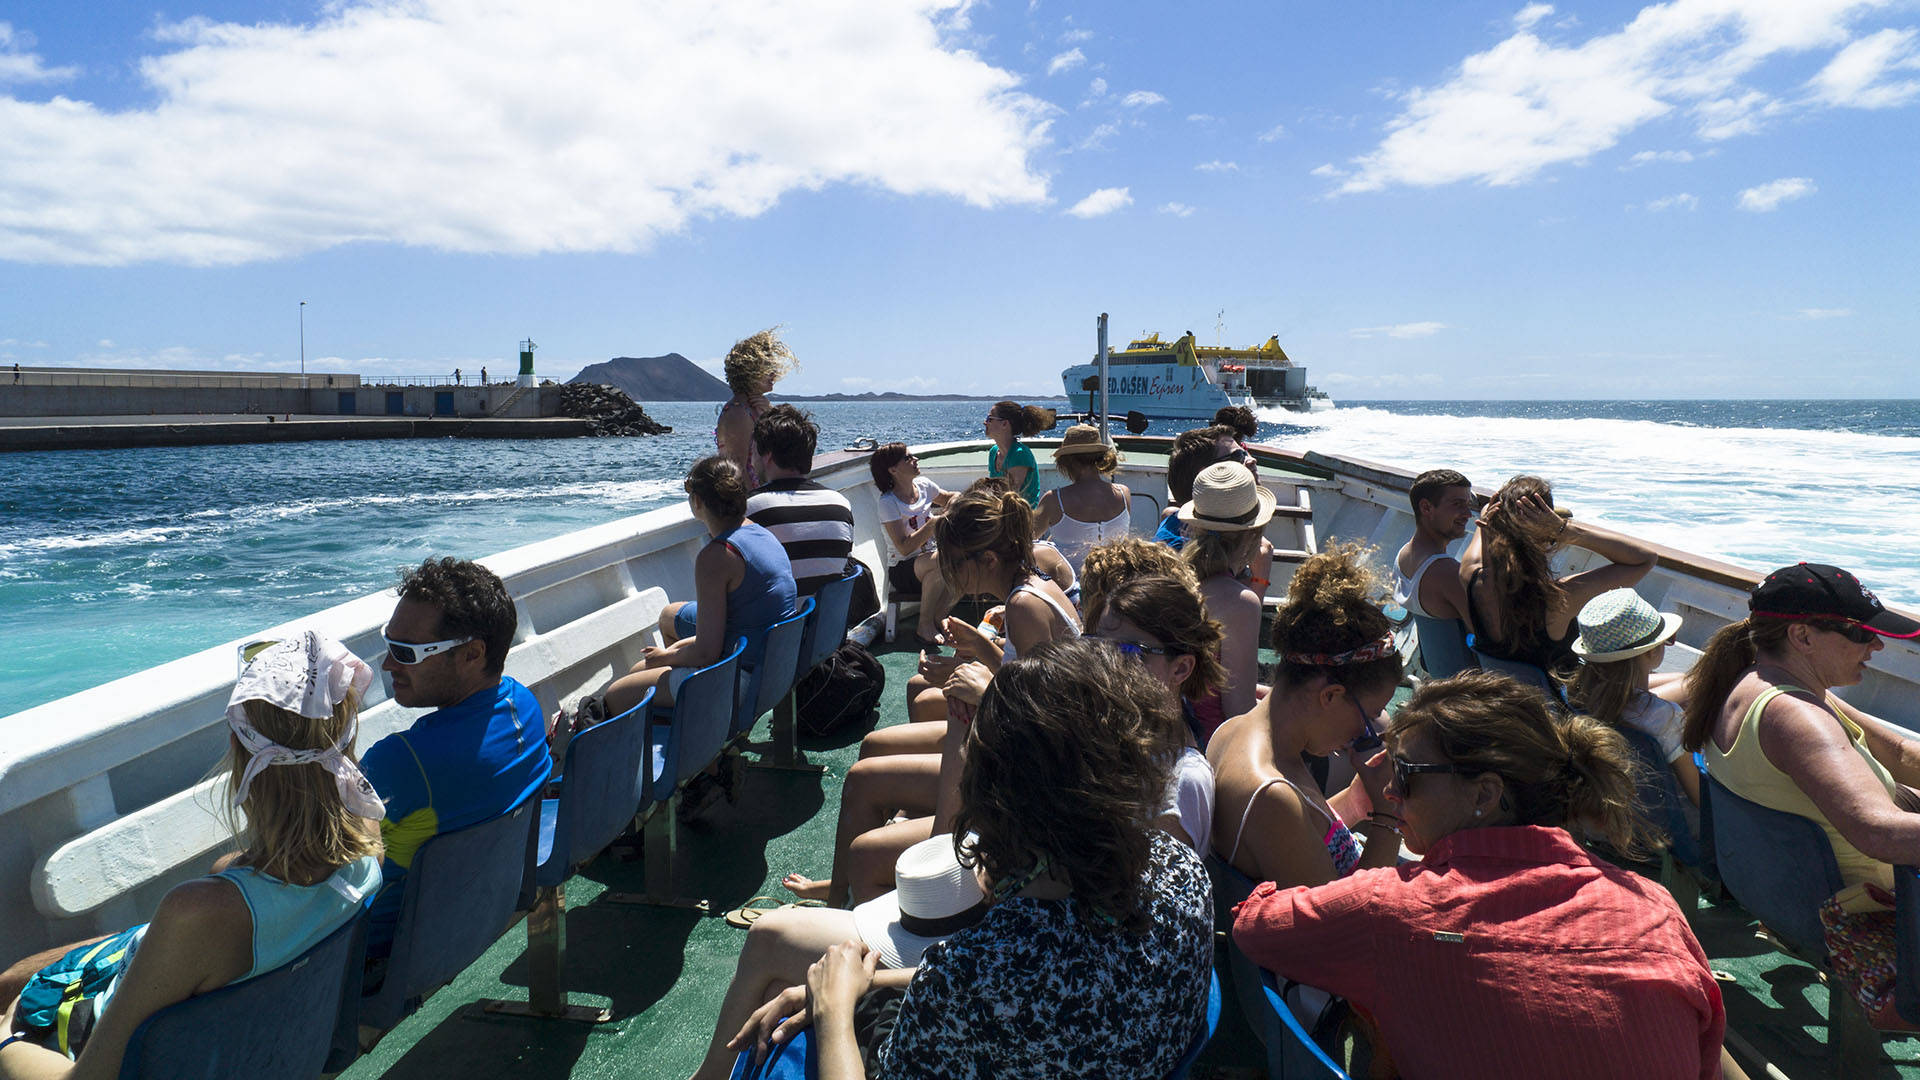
757, 358
297, 829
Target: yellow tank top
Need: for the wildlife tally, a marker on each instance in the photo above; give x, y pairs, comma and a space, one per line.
1745, 770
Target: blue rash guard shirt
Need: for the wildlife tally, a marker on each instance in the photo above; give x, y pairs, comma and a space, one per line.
454, 767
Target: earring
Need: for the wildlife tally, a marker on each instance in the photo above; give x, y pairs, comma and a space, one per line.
1476, 813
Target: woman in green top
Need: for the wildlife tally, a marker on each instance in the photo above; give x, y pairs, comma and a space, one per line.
1006, 423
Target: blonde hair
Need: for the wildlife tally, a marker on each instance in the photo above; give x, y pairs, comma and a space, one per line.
985, 517
1115, 561
1212, 552
297, 829
1081, 466
758, 358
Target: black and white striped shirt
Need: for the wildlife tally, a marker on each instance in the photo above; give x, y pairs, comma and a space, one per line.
814, 524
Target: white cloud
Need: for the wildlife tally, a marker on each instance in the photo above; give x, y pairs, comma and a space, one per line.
1176, 209
1854, 77
1273, 133
1217, 166
1097, 138
1764, 198
13, 343
20, 65
1824, 312
1525, 105
1401, 330
1066, 61
1327, 170
1103, 201
1141, 99
1531, 14
1649, 157
1202, 118
1074, 37
1682, 201
513, 127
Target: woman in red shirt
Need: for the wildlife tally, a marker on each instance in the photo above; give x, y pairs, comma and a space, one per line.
1507, 950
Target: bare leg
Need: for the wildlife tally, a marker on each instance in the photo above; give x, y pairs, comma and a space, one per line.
936, 599
903, 739
14, 979
667, 633
874, 854
929, 706
626, 691
875, 788
780, 947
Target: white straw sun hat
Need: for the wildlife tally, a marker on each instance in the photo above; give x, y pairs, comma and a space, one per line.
1226, 498
1619, 625
936, 897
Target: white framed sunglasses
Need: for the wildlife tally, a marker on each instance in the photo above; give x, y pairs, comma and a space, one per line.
409, 653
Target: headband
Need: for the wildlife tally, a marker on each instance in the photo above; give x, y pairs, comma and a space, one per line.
309, 675
1372, 650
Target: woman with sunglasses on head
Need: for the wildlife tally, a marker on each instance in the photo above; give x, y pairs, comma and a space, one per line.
1159, 620
1760, 711
1007, 423
1507, 949
1338, 670
311, 857
745, 584
985, 546
909, 506
1093, 958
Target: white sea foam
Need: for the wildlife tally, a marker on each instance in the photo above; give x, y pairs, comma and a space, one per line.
1755, 497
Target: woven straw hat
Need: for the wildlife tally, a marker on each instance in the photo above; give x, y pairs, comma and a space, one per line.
1226, 498
1619, 625
1081, 439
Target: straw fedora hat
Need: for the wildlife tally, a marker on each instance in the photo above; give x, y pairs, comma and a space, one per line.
1082, 439
1619, 625
1226, 498
935, 897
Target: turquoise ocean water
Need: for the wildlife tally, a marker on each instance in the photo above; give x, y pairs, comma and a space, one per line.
113, 561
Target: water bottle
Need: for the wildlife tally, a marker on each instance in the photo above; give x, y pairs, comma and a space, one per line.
869, 629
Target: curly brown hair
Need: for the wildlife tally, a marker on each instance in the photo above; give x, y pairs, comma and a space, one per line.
1115, 561
1333, 606
1560, 770
756, 359
473, 602
1067, 763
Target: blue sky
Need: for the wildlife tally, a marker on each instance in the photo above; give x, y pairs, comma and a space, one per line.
1702, 198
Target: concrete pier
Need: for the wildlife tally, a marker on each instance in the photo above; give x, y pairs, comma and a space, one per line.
19, 433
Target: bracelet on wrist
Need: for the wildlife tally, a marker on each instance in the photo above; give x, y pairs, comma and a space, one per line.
1259, 582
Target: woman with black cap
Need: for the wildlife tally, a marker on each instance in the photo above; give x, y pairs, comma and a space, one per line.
1759, 709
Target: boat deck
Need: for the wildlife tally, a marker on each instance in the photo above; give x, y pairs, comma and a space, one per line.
663, 971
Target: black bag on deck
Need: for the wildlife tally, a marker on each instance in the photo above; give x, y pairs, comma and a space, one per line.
866, 598
841, 691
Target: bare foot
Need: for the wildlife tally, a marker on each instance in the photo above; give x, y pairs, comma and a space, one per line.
805, 887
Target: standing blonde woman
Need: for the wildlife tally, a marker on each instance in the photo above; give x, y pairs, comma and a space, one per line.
312, 856
752, 366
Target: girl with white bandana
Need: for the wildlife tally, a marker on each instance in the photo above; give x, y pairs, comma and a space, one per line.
310, 860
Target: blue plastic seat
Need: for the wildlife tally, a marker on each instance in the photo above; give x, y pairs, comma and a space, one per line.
1261, 1000
826, 631
599, 793
682, 740
1299, 1055
461, 893
1660, 793
1207, 1027
1443, 646
770, 682
1522, 672
280, 1023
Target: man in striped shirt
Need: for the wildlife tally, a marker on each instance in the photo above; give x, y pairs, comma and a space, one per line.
814, 523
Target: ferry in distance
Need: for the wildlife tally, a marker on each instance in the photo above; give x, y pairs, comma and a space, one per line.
1180, 380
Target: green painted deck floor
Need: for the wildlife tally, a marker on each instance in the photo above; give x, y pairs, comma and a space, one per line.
663, 971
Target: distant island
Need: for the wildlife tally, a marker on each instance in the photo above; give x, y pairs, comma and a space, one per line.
675, 378
656, 378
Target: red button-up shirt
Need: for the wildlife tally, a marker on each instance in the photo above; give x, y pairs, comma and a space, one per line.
1505, 952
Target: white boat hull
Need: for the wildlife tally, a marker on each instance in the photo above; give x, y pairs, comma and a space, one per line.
1167, 392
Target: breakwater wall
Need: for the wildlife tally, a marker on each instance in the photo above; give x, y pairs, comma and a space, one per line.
98, 392
226, 431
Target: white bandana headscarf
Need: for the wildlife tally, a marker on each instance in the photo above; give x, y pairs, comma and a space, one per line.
308, 675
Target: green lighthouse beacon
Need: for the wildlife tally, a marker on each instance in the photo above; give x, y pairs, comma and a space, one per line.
526, 362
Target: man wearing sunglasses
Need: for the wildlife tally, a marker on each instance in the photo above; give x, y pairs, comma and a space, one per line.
480, 751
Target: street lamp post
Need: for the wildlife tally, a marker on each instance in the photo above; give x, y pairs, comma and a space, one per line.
303, 337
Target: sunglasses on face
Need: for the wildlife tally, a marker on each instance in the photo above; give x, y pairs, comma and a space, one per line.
1369, 738
1857, 634
408, 653
1404, 770
1133, 648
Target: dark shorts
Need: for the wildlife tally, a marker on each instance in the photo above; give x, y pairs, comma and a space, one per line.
901, 580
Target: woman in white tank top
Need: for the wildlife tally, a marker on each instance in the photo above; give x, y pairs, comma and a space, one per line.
1091, 509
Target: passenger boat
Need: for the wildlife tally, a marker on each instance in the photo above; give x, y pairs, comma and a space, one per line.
104, 801
1181, 380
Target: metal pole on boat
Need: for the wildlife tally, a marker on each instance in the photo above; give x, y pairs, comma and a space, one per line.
1105, 437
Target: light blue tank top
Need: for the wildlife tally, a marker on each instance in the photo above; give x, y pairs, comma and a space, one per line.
290, 919
766, 592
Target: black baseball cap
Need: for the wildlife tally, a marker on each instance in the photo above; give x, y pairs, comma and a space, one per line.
1816, 590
